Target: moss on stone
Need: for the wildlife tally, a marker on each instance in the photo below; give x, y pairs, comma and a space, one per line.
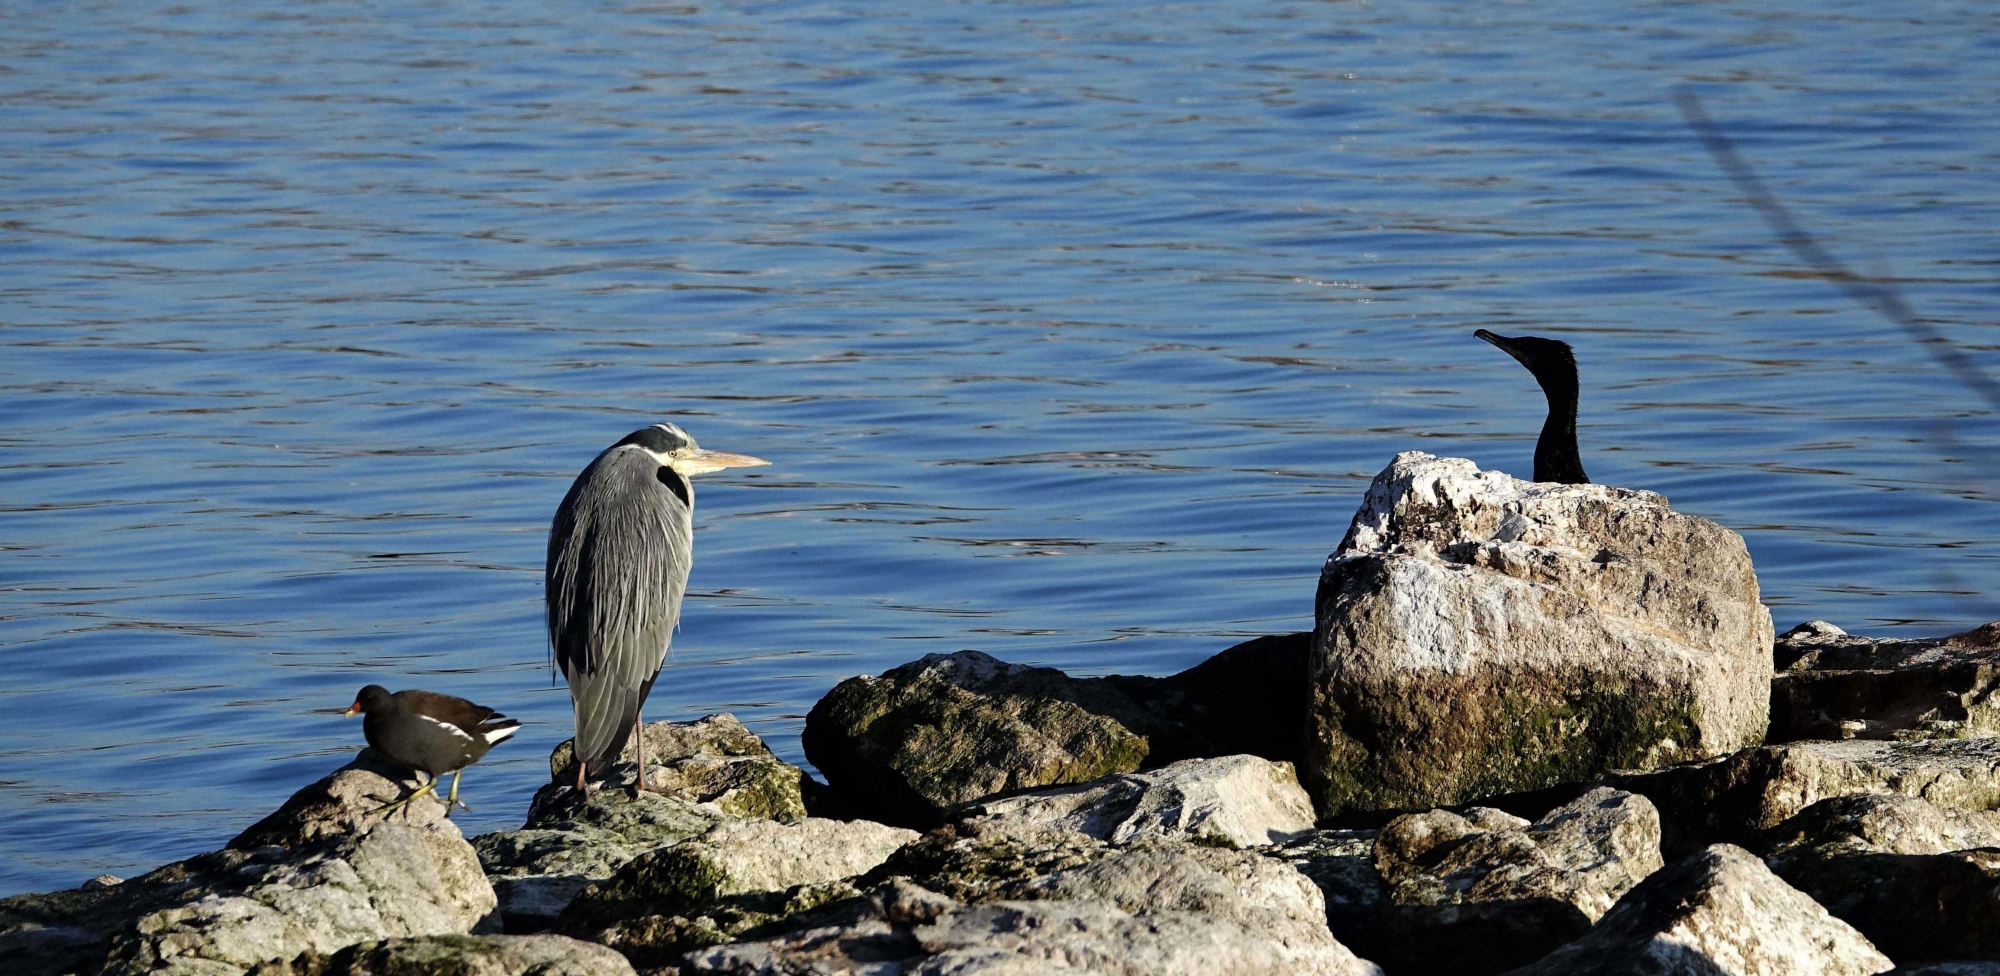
676, 880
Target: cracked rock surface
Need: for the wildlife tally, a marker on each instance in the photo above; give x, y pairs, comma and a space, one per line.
1479, 635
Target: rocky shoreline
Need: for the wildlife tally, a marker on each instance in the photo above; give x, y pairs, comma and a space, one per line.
1538, 729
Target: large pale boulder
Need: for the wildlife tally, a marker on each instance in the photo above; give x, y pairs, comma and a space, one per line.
1478, 635
1835, 685
1720, 912
1235, 801
301, 886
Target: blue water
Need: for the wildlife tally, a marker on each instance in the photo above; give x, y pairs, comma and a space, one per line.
1073, 331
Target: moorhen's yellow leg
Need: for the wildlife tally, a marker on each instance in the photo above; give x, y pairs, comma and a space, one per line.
428, 786
453, 800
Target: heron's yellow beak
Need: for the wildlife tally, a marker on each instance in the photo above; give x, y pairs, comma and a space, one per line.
352, 710
696, 460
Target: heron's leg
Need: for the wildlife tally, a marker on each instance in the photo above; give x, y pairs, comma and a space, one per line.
639, 752
429, 785
453, 800
582, 788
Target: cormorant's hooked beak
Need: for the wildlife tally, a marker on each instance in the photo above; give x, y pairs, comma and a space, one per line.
695, 460
352, 710
1505, 344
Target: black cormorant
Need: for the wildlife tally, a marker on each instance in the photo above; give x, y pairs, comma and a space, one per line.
1554, 366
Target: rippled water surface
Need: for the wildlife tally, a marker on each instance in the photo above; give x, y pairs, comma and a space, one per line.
1073, 332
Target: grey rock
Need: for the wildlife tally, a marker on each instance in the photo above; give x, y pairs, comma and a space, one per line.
996, 860
1481, 891
1341, 863
1719, 912
461, 955
659, 941
571, 843
1478, 635
734, 857
1233, 801
219, 914
947, 730
988, 858
711, 760
343, 804
1459, 899
904, 929
1834, 685
1889, 824
1898, 869
911, 746
711, 771
1734, 799
1608, 838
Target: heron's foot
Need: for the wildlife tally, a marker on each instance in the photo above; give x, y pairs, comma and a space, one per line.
423, 790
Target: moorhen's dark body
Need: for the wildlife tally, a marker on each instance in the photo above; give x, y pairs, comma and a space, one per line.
429, 732
1554, 365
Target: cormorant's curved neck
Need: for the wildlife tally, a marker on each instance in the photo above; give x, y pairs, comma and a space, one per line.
1556, 456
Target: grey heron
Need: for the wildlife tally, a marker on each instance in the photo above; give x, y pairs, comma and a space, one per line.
1554, 366
619, 552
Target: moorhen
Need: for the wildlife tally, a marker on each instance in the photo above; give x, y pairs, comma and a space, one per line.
429, 732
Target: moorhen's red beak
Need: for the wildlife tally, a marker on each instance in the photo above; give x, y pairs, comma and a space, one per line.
352, 710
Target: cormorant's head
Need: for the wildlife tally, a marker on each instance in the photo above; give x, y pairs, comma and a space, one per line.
673, 448
1551, 360
373, 698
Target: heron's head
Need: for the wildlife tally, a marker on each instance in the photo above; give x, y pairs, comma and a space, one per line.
370, 699
1551, 360
673, 448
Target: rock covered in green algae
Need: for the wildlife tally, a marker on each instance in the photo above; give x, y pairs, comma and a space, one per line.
710, 771
224, 912
570, 843
945, 730
656, 941
1478, 635
918, 742
1835, 685
1719, 911
713, 759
